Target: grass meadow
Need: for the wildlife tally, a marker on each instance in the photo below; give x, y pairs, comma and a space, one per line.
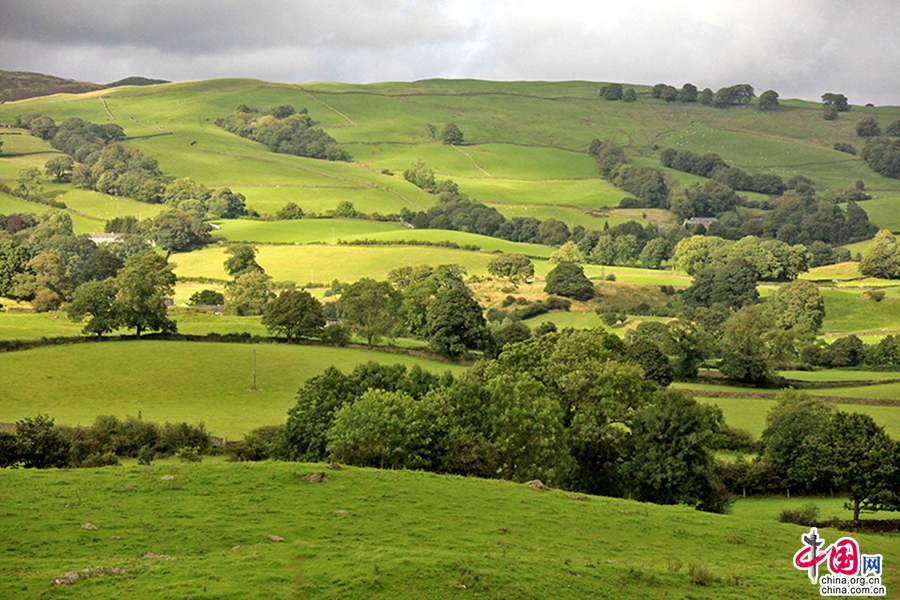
366, 533
172, 381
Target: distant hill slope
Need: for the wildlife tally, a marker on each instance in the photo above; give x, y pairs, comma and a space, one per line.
18, 85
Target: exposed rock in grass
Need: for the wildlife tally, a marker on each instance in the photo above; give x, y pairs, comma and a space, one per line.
315, 477
90, 526
276, 538
71, 577
158, 556
577, 496
168, 478
235, 548
537, 484
341, 512
115, 537
334, 466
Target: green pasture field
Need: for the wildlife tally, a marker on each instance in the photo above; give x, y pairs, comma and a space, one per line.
325, 263
750, 413
882, 210
173, 381
302, 231
858, 247
268, 200
80, 224
839, 375
848, 311
580, 193
769, 508
404, 535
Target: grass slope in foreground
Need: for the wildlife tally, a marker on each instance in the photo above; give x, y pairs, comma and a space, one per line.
172, 381
404, 535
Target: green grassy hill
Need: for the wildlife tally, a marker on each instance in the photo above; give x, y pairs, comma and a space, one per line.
379, 534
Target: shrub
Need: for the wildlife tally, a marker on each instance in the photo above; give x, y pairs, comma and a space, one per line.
807, 515
190, 454
845, 147
701, 575
146, 455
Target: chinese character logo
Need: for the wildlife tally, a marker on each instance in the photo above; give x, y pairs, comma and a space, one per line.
843, 556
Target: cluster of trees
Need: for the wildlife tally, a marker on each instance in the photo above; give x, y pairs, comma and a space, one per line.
37, 443
134, 298
43, 261
285, 130
614, 91
883, 156
712, 165
629, 244
808, 446
882, 258
850, 351
726, 96
832, 104
95, 160
646, 183
770, 260
569, 408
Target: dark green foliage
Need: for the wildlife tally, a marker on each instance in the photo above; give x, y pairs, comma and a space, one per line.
263, 443
768, 100
883, 156
838, 101
420, 176
451, 134
829, 112
455, 324
508, 333
515, 267
868, 127
672, 461
370, 308
853, 454
751, 346
846, 351
688, 93
285, 131
176, 231
294, 314
60, 168
142, 283
736, 94
568, 279
648, 355
241, 259
707, 97
845, 148
388, 430
893, 129
126, 224
612, 91
704, 200
795, 417
689, 162
207, 298
807, 515
96, 300
647, 183
40, 445
320, 397
733, 285
289, 212
629, 95
13, 259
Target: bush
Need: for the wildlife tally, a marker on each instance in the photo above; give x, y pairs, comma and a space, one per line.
845, 147
335, 335
191, 454
568, 279
807, 515
146, 455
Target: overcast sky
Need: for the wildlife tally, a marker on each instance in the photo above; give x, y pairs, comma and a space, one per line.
800, 48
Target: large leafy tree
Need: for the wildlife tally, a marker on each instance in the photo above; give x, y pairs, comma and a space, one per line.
515, 267
294, 314
241, 259
568, 279
95, 300
13, 258
371, 308
794, 417
672, 460
143, 283
451, 134
882, 257
854, 454
455, 323
249, 294
799, 305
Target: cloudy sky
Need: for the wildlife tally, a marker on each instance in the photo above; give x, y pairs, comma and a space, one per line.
801, 48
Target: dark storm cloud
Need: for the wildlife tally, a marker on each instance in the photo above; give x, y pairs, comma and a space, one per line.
799, 47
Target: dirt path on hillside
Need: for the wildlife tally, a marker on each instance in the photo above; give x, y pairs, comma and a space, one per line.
332, 109
106, 108
469, 156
